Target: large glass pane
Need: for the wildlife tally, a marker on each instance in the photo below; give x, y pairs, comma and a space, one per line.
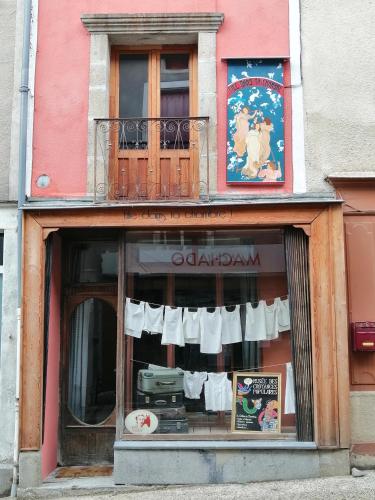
92, 361
238, 274
133, 105
174, 101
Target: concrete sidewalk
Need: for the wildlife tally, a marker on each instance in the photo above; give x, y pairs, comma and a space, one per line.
343, 487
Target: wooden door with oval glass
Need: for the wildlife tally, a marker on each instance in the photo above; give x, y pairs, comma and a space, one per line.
153, 105
88, 423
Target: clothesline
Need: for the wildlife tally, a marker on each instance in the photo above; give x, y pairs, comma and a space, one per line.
210, 307
232, 371
211, 328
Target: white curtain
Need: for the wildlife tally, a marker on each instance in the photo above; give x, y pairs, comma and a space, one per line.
82, 328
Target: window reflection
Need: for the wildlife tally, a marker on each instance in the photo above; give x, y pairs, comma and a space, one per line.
94, 262
92, 361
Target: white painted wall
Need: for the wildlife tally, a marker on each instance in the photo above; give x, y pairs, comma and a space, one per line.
338, 72
298, 139
8, 10
8, 353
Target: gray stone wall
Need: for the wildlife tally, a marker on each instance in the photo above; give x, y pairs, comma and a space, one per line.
197, 463
8, 347
362, 404
8, 10
338, 46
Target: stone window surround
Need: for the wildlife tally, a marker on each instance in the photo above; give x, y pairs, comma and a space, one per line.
150, 29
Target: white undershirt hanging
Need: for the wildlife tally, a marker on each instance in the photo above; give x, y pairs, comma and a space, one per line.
290, 398
134, 318
231, 331
172, 328
193, 384
191, 326
153, 319
256, 322
272, 320
210, 323
218, 392
283, 315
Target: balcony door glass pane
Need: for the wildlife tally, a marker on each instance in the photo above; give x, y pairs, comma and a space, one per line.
174, 100
133, 100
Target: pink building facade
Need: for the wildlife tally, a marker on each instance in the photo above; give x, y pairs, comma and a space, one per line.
61, 109
167, 177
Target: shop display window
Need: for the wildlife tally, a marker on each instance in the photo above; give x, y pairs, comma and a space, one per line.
225, 317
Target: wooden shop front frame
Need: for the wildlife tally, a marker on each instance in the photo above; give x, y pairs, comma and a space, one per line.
321, 222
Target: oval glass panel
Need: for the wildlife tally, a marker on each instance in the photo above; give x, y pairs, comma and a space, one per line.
92, 361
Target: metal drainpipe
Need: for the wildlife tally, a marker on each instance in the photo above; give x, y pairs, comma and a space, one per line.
24, 97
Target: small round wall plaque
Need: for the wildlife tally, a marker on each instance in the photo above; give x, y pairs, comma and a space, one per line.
141, 422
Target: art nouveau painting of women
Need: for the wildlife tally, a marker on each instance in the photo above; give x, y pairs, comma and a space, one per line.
255, 141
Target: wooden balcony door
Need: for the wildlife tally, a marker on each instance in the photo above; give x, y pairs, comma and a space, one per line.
154, 151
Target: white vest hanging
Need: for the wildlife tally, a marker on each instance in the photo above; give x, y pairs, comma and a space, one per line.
210, 323
272, 320
284, 314
231, 331
290, 398
218, 392
172, 328
256, 322
134, 318
191, 326
193, 384
153, 319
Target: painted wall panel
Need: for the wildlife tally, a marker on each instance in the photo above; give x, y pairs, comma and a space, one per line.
49, 447
255, 106
360, 245
256, 29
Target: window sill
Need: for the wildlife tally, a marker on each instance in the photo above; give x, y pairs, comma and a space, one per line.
175, 442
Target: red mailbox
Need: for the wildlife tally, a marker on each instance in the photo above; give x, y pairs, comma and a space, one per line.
363, 336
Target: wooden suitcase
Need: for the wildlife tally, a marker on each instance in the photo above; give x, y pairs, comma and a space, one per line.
180, 426
178, 413
169, 400
160, 381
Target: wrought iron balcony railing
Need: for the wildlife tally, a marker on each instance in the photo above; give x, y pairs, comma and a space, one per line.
147, 159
